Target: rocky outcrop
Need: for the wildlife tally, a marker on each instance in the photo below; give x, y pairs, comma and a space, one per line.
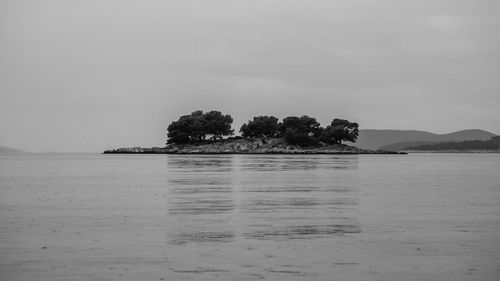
249, 146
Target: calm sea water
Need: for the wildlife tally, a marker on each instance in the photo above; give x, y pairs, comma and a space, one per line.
250, 217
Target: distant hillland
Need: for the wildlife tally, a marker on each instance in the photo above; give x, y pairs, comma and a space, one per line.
397, 140
492, 145
4, 150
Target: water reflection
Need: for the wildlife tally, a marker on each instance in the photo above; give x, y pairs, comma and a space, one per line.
299, 197
271, 163
219, 199
200, 198
286, 204
197, 206
201, 236
303, 231
200, 163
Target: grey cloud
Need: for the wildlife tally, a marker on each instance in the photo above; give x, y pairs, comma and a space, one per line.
88, 75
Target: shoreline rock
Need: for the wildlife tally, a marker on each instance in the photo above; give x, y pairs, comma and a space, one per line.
248, 146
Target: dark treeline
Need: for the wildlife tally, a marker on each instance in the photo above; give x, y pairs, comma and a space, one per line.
303, 130
198, 126
492, 144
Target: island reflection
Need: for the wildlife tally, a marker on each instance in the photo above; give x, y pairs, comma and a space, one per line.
226, 198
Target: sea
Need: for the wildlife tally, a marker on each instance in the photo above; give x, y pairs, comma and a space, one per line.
421, 216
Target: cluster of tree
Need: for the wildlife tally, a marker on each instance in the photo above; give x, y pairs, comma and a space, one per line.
303, 130
340, 130
492, 144
261, 126
198, 126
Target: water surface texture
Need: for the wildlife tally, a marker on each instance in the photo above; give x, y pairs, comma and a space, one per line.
250, 217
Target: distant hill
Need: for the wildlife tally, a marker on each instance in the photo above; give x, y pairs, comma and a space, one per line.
399, 139
399, 146
471, 145
4, 150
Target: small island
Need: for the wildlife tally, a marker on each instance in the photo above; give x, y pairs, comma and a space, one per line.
211, 133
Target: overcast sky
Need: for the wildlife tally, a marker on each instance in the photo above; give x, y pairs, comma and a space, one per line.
92, 75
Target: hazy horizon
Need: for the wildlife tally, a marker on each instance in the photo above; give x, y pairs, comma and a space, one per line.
84, 76
235, 134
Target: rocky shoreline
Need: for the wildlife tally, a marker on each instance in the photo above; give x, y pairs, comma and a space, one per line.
248, 146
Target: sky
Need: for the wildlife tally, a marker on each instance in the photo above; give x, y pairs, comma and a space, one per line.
85, 76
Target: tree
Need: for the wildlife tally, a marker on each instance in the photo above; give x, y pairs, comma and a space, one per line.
197, 125
177, 136
304, 124
261, 126
303, 130
218, 125
187, 128
300, 130
294, 136
340, 130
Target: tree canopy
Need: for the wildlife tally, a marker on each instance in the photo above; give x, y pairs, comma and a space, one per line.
198, 125
305, 125
340, 130
261, 126
299, 130
303, 130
